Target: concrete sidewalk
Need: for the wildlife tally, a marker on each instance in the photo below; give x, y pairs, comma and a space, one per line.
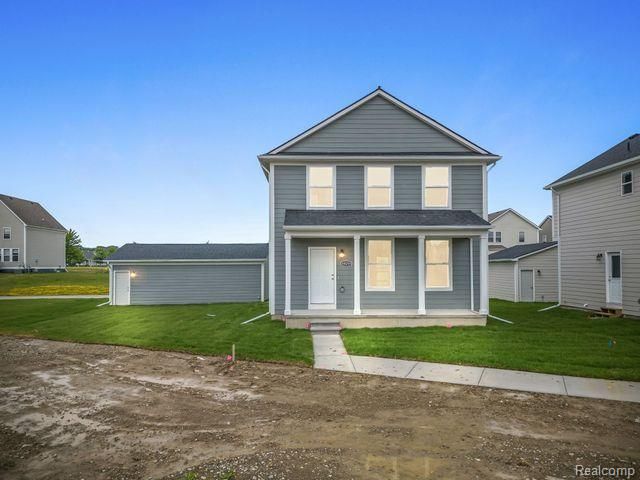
330, 354
54, 297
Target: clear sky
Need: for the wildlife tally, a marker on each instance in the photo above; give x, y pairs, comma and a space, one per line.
141, 121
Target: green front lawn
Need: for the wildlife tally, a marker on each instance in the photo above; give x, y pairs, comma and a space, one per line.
181, 327
558, 341
76, 281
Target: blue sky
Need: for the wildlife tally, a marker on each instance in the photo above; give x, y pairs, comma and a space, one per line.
141, 121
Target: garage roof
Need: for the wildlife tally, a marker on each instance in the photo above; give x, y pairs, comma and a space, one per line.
513, 253
191, 251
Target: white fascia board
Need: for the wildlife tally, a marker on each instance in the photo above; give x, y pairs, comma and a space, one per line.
46, 228
593, 173
361, 159
515, 259
244, 261
519, 215
293, 228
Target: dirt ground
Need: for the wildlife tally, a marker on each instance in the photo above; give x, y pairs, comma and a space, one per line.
93, 412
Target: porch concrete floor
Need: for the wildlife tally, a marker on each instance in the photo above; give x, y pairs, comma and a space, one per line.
330, 354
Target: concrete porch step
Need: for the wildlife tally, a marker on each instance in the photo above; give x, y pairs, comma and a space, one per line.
324, 327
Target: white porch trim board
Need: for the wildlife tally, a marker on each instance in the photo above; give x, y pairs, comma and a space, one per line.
287, 274
421, 281
484, 273
356, 275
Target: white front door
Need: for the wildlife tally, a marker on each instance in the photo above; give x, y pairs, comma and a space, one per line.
122, 287
322, 277
614, 278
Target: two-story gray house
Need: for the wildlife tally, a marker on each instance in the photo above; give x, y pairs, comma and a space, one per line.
378, 217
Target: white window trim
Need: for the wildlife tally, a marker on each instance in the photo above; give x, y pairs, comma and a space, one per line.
495, 236
524, 237
491, 237
424, 187
3, 251
623, 183
391, 188
307, 186
368, 288
439, 289
12, 249
10, 234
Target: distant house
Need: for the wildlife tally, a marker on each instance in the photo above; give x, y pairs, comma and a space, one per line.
525, 273
546, 229
32, 239
89, 257
510, 228
596, 221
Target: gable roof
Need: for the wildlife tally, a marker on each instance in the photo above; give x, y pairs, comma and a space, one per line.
624, 152
496, 215
519, 251
31, 213
466, 147
190, 251
547, 218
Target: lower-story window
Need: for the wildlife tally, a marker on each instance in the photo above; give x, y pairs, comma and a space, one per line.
438, 264
6, 254
379, 255
15, 254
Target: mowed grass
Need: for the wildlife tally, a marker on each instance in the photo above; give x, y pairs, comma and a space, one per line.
186, 328
76, 281
560, 341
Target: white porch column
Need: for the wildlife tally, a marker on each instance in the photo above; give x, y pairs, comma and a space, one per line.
421, 267
356, 275
473, 305
484, 273
287, 274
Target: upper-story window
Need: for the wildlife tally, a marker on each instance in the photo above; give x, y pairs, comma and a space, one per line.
379, 191
6, 233
490, 237
521, 237
436, 191
321, 187
498, 237
627, 183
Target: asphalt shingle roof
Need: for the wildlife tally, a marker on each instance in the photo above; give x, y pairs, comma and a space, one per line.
518, 251
626, 149
191, 251
443, 218
494, 215
31, 213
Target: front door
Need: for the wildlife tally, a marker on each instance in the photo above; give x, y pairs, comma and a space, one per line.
526, 285
322, 277
614, 278
122, 288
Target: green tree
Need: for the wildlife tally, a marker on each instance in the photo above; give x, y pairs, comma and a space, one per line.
101, 252
73, 248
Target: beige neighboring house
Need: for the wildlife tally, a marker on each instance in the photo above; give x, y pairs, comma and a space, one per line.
510, 228
546, 229
596, 221
31, 238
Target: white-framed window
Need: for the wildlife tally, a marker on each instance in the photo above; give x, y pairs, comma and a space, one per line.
490, 237
627, 183
437, 257
6, 254
436, 191
380, 274
321, 182
379, 187
6, 233
521, 237
15, 254
498, 237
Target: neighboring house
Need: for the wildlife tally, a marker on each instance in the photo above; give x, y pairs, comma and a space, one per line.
525, 273
546, 229
378, 217
89, 257
145, 274
596, 221
31, 238
509, 228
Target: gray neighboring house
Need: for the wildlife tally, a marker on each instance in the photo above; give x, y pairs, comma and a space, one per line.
525, 273
546, 229
596, 221
378, 217
149, 274
510, 228
31, 238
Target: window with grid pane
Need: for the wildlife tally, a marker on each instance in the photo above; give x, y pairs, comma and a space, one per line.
380, 265
321, 185
438, 264
379, 187
14, 255
436, 187
627, 183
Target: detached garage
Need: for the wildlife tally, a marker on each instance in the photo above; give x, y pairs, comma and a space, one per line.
151, 274
525, 273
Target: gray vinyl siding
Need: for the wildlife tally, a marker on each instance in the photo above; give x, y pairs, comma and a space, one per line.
405, 295
350, 187
8, 219
45, 248
377, 126
501, 281
407, 187
188, 284
460, 296
300, 271
289, 192
466, 184
595, 218
546, 282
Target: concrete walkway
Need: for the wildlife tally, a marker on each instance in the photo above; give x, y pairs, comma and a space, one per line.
55, 297
330, 354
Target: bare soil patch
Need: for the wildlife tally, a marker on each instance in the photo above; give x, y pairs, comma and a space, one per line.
97, 412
